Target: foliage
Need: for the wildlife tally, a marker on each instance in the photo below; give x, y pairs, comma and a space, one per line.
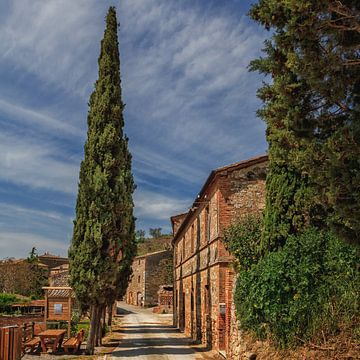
166, 271
152, 245
312, 107
6, 300
155, 232
103, 242
311, 284
242, 239
33, 256
23, 278
140, 236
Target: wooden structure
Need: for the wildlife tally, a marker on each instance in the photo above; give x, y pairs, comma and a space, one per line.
58, 304
53, 337
74, 343
10, 343
34, 307
29, 339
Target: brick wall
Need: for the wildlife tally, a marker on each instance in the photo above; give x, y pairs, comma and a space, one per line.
203, 274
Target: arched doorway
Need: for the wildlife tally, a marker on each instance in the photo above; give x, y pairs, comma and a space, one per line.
139, 299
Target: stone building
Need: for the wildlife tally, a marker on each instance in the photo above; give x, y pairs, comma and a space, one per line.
203, 275
52, 261
148, 274
59, 276
165, 300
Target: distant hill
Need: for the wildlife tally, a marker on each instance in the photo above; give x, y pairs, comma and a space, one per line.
154, 244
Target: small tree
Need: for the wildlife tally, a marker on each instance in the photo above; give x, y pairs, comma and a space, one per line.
155, 233
140, 236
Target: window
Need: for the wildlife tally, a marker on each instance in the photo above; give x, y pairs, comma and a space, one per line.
192, 238
207, 224
198, 233
183, 248
206, 300
139, 278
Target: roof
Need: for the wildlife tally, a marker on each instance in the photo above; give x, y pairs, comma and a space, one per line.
176, 217
52, 256
228, 168
61, 267
30, 303
59, 291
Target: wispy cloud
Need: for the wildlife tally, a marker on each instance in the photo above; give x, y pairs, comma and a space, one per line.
158, 207
25, 162
186, 79
15, 210
14, 244
52, 39
38, 119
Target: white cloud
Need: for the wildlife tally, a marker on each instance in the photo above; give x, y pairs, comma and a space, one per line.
19, 211
158, 207
151, 162
33, 117
25, 162
15, 244
53, 39
187, 79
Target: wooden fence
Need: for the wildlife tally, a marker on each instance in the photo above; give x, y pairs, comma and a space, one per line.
10, 343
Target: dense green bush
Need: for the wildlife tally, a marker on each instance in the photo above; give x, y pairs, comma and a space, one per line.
242, 239
311, 284
6, 300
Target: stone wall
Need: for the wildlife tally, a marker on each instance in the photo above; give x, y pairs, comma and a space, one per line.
237, 347
156, 274
203, 284
147, 276
136, 288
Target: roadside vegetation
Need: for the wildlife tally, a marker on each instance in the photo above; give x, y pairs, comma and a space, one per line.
298, 263
302, 292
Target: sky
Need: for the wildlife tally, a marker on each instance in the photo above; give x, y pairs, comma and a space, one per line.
190, 106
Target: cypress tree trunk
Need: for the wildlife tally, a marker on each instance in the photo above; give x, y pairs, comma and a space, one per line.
110, 313
94, 326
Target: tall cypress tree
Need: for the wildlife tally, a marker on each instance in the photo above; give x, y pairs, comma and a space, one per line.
312, 111
103, 242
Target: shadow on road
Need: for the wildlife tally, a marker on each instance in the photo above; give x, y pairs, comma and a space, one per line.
121, 311
138, 351
148, 329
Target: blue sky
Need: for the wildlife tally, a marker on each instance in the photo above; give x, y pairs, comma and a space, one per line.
190, 106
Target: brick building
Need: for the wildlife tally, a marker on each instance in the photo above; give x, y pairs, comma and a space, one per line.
148, 274
203, 276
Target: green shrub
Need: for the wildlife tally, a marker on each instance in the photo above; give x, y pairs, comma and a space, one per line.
311, 284
242, 239
6, 300
83, 325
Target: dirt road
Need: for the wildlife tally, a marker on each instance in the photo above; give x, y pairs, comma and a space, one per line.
149, 336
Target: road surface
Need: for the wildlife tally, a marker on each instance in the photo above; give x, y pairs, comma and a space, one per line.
149, 336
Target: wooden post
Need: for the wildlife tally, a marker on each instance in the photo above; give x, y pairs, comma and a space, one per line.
46, 307
70, 310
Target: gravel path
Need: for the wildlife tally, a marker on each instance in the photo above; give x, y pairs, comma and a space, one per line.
149, 336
